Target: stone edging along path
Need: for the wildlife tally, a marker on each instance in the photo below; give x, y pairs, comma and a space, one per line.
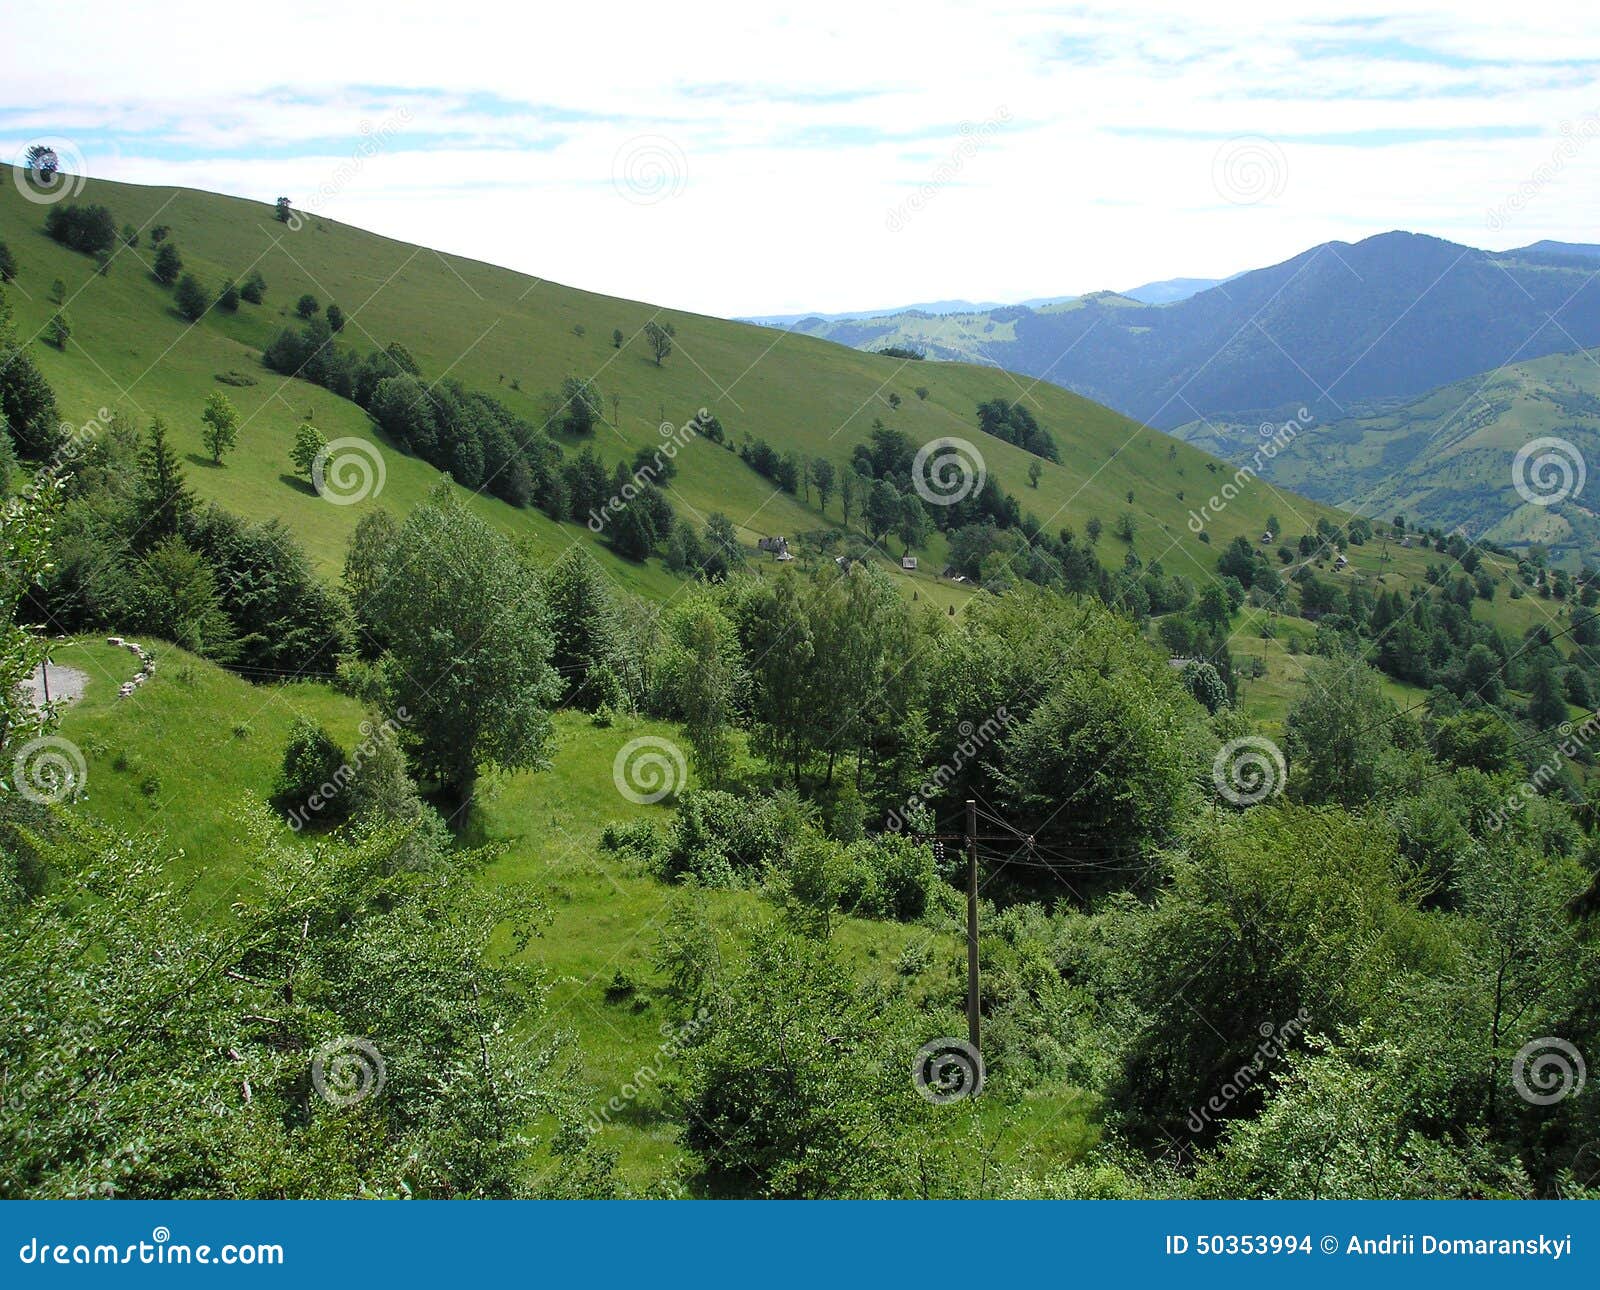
147, 665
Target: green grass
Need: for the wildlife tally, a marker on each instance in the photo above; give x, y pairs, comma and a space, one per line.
490, 327
179, 758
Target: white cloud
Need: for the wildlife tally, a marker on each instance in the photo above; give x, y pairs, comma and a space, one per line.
800, 133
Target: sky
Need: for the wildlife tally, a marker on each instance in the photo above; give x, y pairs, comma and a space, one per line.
741, 159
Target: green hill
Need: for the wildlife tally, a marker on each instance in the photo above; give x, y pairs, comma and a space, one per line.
604, 914
1448, 457
518, 337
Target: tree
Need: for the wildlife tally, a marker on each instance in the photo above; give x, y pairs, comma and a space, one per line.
703, 675
335, 316
1034, 471
1278, 921
581, 406
782, 652
228, 301
469, 646
1214, 609
799, 1089
1101, 760
58, 330
1092, 528
42, 162
176, 599
26, 526
723, 554
822, 477
191, 298
1547, 705
27, 402
219, 429
282, 210
8, 264
308, 445
1126, 526
254, 288
87, 229
658, 336
1339, 732
616, 338
1202, 681
307, 306
161, 497
585, 630
849, 487
913, 524
312, 1024
168, 264
883, 508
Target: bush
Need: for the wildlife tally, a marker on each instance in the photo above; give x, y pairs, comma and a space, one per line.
191, 298
888, 876
89, 229
168, 265
636, 838
311, 762
721, 838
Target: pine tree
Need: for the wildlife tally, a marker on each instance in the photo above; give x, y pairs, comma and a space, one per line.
583, 620
163, 498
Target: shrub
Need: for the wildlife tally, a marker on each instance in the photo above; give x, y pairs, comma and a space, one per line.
720, 838
311, 761
89, 229
191, 298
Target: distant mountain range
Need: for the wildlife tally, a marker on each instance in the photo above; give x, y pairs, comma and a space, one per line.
1151, 293
1393, 316
1425, 365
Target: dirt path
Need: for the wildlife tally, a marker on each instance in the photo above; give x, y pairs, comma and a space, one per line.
66, 683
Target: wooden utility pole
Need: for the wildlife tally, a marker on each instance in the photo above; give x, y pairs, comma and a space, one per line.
972, 924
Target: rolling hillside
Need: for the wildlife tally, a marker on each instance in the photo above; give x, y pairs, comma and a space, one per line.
1448, 458
1394, 315
517, 337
